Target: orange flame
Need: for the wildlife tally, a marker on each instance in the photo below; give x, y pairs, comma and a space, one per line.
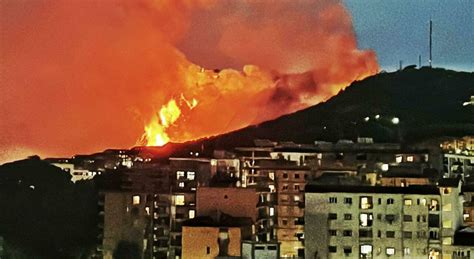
156, 131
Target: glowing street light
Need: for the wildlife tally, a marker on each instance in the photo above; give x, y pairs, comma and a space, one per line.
377, 116
395, 120
366, 119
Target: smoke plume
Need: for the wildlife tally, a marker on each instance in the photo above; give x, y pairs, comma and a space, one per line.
82, 76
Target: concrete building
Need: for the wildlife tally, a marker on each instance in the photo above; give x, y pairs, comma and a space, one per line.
257, 250
379, 221
218, 237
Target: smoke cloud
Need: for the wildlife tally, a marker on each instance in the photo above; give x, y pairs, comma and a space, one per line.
82, 76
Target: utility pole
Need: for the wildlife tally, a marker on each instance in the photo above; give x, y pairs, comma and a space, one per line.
431, 43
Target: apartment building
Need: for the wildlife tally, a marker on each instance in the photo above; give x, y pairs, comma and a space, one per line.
380, 221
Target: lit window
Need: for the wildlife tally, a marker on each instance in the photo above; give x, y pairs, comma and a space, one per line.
447, 207
272, 211
192, 214
406, 251
423, 202
191, 175
271, 187
179, 174
398, 158
181, 184
447, 241
434, 205
390, 251
296, 198
384, 167
366, 203
136, 199
332, 200
447, 223
409, 158
366, 249
179, 199
366, 219
147, 210
271, 176
408, 202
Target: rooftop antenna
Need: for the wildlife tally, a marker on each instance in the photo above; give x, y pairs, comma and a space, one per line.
431, 43
419, 61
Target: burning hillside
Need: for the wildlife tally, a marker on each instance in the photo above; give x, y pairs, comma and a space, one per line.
107, 71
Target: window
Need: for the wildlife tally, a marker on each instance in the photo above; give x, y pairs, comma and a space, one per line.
347, 216
191, 175
422, 202
447, 207
179, 174
285, 175
390, 234
390, 201
347, 233
284, 222
421, 234
433, 234
434, 205
271, 175
296, 187
406, 251
447, 240
332, 249
365, 233
447, 223
333, 232
366, 219
366, 202
409, 158
347, 250
407, 202
285, 187
147, 210
296, 198
272, 211
390, 218
384, 167
332, 216
208, 250
136, 199
181, 184
407, 234
366, 250
297, 176
379, 233
332, 200
347, 200
407, 218
390, 251
398, 158
179, 199
191, 214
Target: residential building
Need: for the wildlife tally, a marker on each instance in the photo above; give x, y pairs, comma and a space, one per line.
257, 250
380, 221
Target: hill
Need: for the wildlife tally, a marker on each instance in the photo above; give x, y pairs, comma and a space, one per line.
428, 102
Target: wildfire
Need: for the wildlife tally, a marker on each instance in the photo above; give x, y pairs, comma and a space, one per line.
156, 131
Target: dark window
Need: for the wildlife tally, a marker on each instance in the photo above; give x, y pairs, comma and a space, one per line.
332, 216
347, 233
433, 221
348, 200
407, 234
332, 249
271, 247
365, 233
379, 233
390, 234
390, 218
390, 201
347, 216
297, 176
380, 201
285, 175
208, 250
407, 218
332, 200
333, 232
259, 248
347, 250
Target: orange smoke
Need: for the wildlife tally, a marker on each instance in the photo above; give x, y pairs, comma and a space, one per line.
81, 76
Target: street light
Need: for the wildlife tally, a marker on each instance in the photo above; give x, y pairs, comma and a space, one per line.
395, 120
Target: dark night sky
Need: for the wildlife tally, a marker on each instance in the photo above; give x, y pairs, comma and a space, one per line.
399, 29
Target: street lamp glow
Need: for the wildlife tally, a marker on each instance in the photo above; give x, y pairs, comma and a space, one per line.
377, 116
366, 119
395, 120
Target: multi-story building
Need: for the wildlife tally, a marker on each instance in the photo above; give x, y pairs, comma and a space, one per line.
380, 221
290, 184
458, 158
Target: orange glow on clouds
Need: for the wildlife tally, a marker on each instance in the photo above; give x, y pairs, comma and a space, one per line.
82, 76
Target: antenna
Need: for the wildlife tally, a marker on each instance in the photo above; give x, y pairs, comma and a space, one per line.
401, 64
419, 61
431, 43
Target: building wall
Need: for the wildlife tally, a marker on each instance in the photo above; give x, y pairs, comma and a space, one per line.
202, 242
237, 202
319, 228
